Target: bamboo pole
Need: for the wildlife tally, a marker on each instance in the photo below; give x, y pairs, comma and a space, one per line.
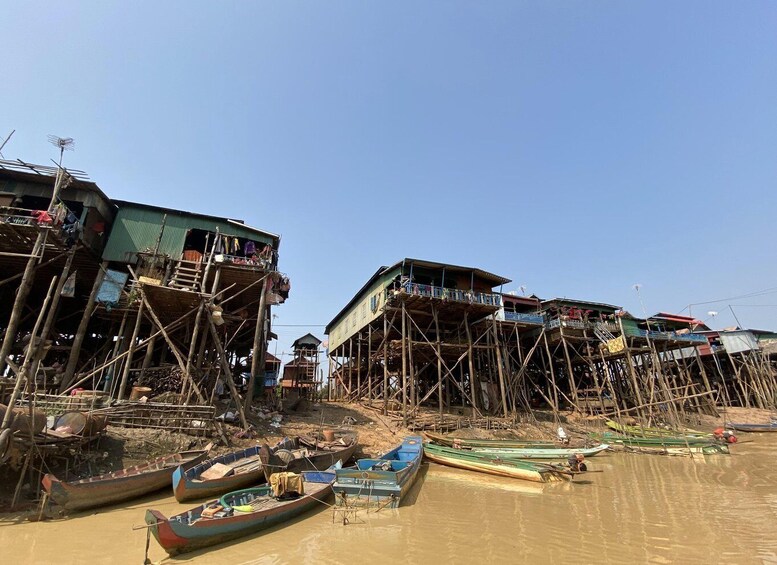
23, 374
404, 365
260, 344
227, 370
130, 352
78, 341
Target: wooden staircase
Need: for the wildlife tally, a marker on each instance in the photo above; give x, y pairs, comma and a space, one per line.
187, 276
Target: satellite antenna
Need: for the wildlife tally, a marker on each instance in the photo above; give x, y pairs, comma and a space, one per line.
4, 142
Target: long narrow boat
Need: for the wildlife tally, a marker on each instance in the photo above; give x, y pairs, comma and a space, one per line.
237, 514
221, 474
117, 486
448, 441
382, 481
495, 465
645, 431
532, 453
666, 441
772, 427
253, 466
665, 445
307, 454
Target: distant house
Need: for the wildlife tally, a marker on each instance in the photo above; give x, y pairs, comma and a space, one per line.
301, 374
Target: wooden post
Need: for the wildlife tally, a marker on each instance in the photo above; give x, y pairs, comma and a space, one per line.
350, 363
359, 366
260, 343
22, 375
369, 363
21, 298
44, 334
500, 369
473, 385
572, 384
633, 374
173, 347
385, 364
227, 370
404, 365
552, 376
78, 341
131, 352
411, 366
439, 359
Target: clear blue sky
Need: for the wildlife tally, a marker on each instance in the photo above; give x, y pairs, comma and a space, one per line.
575, 147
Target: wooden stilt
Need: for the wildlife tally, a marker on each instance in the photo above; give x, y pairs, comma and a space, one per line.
260, 344
130, 352
78, 341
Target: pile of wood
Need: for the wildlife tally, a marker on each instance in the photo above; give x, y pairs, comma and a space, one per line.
168, 378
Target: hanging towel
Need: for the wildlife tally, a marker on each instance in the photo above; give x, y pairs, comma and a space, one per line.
250, 248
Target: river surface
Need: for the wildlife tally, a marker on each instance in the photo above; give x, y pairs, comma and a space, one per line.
640, 509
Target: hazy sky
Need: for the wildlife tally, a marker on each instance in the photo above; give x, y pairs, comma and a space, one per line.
577, 148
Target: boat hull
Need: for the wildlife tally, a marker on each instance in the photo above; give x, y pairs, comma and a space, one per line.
107, 489
188, 486
176, 536
529, 453
366, 486
472, 461
489, 443
752, 427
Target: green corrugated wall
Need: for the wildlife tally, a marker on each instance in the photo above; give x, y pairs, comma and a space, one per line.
137, 229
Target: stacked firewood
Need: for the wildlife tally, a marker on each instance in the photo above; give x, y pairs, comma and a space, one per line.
168, 378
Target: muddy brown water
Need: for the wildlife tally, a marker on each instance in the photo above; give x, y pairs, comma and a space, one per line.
641, 509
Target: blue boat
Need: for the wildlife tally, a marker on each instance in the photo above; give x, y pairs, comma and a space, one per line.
251, 466
382, 481
238, 514
238, 469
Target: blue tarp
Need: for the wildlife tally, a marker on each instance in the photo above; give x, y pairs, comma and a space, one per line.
110, 289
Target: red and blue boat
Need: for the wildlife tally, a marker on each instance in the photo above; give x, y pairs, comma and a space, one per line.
237, 514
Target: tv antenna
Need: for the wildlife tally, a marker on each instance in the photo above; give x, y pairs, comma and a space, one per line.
64, 144
4, 142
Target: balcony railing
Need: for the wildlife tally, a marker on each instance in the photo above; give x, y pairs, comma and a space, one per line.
455, 295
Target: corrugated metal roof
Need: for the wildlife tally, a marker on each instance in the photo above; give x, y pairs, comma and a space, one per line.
136, 229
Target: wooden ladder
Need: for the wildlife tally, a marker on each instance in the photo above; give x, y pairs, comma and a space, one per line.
187, 276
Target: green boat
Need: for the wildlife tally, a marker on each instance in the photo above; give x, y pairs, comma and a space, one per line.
494, 465
537, 453
664, 445
448, 441
648, 432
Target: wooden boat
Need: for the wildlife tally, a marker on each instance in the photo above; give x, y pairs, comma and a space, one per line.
644, 431
120, 485
447, 441
308, 454
495, 465
667, 441
383, 481
772, 427
536, 453
255, 465
692, 449
221, 474
665, 445
237, 514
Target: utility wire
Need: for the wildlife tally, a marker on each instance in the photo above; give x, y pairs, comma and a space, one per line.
763, 292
